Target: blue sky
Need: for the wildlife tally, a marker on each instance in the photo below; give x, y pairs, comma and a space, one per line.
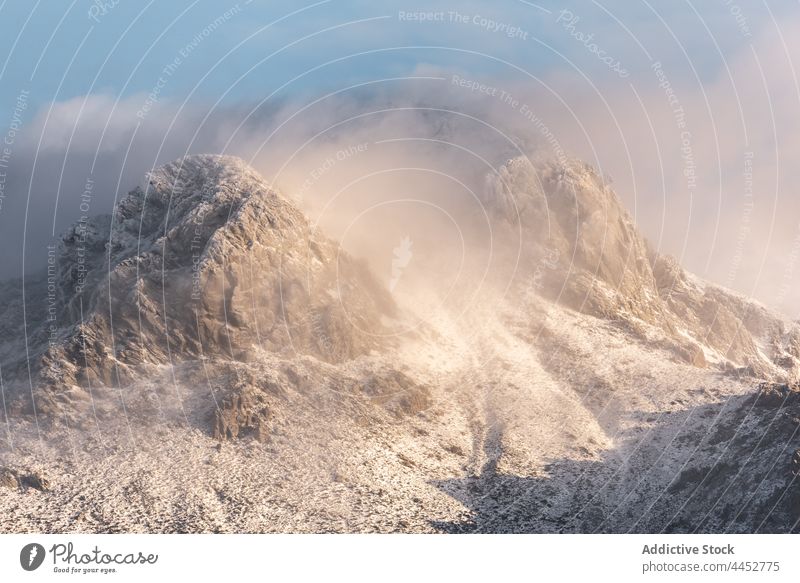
63, 49
91, 71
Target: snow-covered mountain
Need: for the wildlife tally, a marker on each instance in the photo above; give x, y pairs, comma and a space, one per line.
206, 360
202, 260
607, 269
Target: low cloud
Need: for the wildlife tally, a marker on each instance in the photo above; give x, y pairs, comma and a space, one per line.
704, 165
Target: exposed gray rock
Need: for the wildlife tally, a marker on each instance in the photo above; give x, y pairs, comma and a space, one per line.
604, 267
208, 307
205, 259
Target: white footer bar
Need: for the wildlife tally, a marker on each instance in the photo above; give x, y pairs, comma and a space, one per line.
372, 558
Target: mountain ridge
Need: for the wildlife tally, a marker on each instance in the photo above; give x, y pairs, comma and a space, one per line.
224, 367
613, 273
205, 260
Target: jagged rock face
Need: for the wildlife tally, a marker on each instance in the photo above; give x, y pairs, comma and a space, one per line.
741, 331
568, 212
205, 260
598, 263
518, 415
245, 409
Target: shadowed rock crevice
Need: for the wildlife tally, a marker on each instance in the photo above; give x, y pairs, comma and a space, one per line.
22, 480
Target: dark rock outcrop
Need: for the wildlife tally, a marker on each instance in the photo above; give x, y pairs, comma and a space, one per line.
244, 411
15, 480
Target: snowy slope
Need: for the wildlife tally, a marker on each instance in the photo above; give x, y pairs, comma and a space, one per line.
614, 392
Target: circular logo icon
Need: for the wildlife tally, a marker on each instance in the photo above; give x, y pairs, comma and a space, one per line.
31, 556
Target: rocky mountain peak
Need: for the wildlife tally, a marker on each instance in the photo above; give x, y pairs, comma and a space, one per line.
204, 259
605, 268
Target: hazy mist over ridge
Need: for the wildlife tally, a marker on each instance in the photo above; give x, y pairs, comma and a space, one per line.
354, 267
717, 197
